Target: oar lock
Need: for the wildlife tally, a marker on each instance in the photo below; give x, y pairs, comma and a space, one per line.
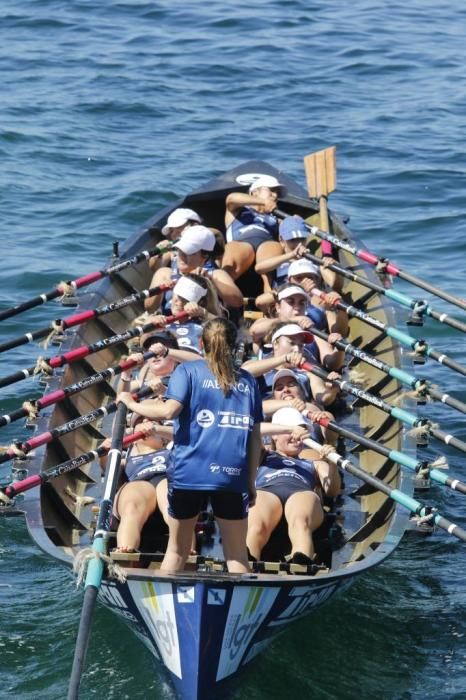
381, 266
416, 317
420, 349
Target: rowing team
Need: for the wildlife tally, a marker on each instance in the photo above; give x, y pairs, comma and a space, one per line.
223, 424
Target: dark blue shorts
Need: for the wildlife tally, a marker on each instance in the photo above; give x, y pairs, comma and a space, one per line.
229, 505
283, 490
254, 235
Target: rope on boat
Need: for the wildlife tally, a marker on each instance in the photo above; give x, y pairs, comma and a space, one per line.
79, 500
440, 463
6, 500
422, 519
57, 329
82, 559
14, 449
31, 408
42, 367
359, 378
423, 429
67, 289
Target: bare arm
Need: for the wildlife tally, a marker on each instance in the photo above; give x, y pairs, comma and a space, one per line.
152, 408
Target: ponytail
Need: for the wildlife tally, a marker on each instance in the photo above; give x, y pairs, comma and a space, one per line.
219, 339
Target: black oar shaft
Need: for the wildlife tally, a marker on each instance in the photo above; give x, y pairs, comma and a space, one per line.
81, 317
381, 263
80, 282
85, 350
95, 568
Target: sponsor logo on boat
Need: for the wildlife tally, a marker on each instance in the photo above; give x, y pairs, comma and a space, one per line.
216, 596
205, 418
229, 419
301, 600
110, 596
185, 594
248, 609
155, 603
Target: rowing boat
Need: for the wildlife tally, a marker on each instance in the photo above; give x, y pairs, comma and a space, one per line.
204, 624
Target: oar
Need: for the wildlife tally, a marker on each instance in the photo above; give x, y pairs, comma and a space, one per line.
321, 176
63, 287
395, 494
85, 350
418, 306
414, 465
62, 324
70, 465
420, 347
398, 413
95, 567
421, 387
22, 449
60, 394
383, 264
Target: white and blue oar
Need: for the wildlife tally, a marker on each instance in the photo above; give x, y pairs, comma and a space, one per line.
95, 568
395, 494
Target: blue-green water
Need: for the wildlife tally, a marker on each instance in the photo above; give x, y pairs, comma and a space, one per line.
112, 109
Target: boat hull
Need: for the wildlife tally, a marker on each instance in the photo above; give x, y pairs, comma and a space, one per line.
203, 632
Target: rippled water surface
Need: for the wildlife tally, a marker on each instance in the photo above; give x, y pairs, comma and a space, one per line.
112, 109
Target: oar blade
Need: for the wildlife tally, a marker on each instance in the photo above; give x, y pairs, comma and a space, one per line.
321, 172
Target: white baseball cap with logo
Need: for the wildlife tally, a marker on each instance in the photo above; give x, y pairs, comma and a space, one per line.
290, 329
180, 217
266, 181
188, 289
195, 239
291, 290
303, 267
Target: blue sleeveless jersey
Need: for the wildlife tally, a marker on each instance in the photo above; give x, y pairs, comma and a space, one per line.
276, 468
212, 431
248, 220
188, 334
144, 467
318, 317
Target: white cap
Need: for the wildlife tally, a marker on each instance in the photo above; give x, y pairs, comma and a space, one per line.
180, 217
292, 329
290, 290
303, 267
289, 416
196, 238
189, 289
284, 373
265, 181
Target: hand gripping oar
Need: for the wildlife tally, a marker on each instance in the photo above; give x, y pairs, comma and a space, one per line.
56, 396
418, 306
62, 324
414, 465
70, 465
422, 424
22, 449
395, 494
422, 388
85, 350
382, 264
420, 347
95, 567
64, 287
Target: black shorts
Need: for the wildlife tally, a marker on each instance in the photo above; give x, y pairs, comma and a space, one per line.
283, 490
254, 236
229, 505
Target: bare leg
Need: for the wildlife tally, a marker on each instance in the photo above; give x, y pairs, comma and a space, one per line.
179, 543
136, 502
263, 518
238, 258
233, 534
304, 514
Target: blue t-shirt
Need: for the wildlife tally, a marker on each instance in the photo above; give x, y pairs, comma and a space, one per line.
276, 468
213, 430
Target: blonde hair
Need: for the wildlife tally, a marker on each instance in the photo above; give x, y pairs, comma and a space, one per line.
219, 339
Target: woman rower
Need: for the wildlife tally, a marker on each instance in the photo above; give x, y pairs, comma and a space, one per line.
217, 445
290, 486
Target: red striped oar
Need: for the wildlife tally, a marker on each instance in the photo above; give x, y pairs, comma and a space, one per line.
60, 394
63, 287
22, 449
70, 465
85, 350
382, 264
62, 324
